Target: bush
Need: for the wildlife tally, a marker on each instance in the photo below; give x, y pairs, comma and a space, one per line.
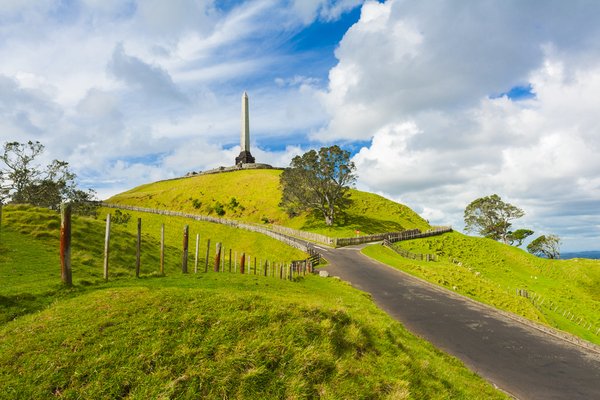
219, 209
120, 218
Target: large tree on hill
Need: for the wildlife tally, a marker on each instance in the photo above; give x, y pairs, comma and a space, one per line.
545, 246
490, 217
319, 182
24, 180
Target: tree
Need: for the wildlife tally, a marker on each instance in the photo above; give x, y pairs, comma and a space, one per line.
545, 246
517, 237
318, 182
22, 180
491, 217
19, 170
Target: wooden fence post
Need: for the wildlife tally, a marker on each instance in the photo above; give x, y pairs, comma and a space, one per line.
218, 257
0, 222
65, 244
265, 268
229, 260
162, 249
254, 265
196, 253
207, 255
242, 262
184, 257
138, 248
106, 248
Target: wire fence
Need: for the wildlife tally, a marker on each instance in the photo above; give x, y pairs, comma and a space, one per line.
541, 302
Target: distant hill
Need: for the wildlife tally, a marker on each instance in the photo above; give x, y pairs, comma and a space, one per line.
593, 255
254, 196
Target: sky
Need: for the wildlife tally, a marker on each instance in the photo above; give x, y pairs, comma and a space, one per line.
440, 102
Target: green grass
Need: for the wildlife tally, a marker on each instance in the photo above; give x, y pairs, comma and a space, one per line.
491, 272
251, 243
211, 335
258, 195
33, 270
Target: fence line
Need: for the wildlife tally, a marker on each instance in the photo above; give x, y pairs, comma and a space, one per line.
291, 241
417, 234
293, 237
285, 269
408, 254
539, 301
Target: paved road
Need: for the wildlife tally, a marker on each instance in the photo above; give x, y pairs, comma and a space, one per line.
517, 358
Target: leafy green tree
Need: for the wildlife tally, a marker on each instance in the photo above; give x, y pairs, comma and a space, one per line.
19, 169
545, 246
23, 180
490, 217
318, 182
517, 237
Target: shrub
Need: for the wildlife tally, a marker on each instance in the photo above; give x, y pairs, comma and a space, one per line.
121, 218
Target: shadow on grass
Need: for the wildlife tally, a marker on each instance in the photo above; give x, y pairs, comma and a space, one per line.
15, 306
366, 225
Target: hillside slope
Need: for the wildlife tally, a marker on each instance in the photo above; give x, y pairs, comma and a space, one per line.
206, 335
564, 294
254, 196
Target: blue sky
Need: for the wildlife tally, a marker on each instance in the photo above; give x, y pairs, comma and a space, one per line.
440, 102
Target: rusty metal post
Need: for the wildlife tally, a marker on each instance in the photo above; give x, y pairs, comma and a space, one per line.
65, 244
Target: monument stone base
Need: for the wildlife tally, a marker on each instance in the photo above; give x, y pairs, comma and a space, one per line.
244, 158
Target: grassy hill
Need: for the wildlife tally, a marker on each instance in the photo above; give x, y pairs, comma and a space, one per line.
254, 196
492, 272
213, 335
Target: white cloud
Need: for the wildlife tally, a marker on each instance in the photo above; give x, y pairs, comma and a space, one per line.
327, 10
132, 91
154, 81
417, 80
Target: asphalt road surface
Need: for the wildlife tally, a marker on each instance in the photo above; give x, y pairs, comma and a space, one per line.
516, 357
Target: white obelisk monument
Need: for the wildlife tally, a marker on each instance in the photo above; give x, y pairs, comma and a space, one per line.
245, 157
